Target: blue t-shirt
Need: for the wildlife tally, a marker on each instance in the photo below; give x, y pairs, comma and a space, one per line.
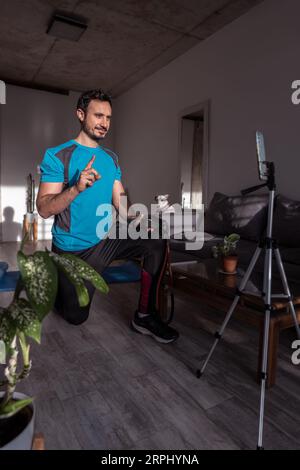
89, 216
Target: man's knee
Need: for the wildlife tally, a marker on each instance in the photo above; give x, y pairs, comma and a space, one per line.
67, 303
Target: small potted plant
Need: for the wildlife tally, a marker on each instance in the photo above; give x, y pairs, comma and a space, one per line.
226, 251
21, 321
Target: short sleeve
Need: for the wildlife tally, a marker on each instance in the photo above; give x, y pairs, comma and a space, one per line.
118, 174
52, 169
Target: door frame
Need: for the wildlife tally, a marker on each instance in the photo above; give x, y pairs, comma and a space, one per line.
202, 108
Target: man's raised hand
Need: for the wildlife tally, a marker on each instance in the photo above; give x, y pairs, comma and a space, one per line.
88, 176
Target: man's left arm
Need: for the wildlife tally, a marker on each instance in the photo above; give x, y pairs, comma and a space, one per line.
121, 202
118, 192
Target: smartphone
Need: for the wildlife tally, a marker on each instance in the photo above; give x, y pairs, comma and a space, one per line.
261, 156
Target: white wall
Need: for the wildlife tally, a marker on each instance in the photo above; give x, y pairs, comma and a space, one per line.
246, 70
31, 121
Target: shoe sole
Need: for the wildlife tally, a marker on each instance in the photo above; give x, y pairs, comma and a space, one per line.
144, 331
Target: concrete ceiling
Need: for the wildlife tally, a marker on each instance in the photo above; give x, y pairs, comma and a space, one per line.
126, 40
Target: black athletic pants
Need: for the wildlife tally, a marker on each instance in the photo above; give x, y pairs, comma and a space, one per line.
99, 256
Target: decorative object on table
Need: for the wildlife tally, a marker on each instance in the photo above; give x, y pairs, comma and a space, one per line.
172, 223
21, 321
226, 251
30, 221
163, 204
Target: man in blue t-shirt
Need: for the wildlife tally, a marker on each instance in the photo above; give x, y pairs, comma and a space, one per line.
77, 178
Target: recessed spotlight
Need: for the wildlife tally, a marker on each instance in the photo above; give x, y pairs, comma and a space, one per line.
66, 26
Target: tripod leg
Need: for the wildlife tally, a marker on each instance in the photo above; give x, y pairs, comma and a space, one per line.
267, 299
287, 289
263, 379
219, 334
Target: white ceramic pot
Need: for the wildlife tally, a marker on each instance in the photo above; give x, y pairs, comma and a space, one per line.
24, 440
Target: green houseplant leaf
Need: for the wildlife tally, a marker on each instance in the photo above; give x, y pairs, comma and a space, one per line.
227, 246
67, 268
25, 319
233, 238
13, 406
85, 271
7, 327
39, 276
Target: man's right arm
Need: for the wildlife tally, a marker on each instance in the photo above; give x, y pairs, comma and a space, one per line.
52, 200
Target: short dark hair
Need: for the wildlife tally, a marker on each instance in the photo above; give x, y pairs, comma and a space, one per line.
86, 97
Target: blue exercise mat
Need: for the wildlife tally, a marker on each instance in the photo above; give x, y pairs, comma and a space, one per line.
127, 272
9, 281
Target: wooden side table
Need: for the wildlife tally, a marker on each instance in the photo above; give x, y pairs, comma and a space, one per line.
204, 282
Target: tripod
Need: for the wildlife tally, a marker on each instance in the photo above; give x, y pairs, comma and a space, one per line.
270, 247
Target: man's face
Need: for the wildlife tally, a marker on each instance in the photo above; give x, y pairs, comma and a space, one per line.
96, 121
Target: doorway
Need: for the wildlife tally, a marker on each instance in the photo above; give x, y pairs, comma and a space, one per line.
193, 153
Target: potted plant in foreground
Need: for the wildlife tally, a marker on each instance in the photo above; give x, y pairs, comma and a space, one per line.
22, 320
226, 251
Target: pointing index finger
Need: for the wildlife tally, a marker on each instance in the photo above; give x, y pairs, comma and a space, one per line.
89, 165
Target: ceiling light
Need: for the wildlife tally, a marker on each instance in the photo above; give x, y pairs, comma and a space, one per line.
66, 26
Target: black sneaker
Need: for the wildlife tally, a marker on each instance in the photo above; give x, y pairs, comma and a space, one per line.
153, 326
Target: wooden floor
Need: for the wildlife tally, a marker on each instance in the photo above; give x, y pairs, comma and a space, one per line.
102, 386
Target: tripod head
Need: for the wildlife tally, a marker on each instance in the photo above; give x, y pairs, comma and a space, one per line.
270, 183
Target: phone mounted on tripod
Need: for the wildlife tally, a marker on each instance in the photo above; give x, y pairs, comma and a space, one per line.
266, 170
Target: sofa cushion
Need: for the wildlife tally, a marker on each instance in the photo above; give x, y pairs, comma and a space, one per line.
245, 215
286, 228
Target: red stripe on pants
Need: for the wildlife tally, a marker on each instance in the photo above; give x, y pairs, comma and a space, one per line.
146, 281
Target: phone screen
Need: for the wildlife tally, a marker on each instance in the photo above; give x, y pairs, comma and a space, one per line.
261, 156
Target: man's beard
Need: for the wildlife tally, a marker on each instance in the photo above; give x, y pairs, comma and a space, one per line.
92, 136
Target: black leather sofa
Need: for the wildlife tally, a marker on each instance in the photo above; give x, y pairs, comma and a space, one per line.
247, 216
